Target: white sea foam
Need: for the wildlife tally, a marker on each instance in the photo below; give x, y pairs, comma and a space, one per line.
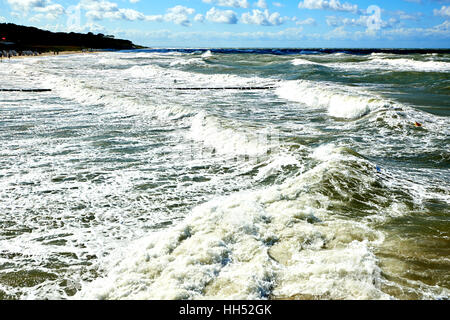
341, 102
207, 54
381, 54
72, 89
411, 65
275, 242
299, 62
187, 62
165, 77
230, 140
107, 61
276, 165
390, 63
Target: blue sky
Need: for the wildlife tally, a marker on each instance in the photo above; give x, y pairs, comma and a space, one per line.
245, 23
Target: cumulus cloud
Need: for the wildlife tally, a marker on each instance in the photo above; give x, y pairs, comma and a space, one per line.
119, 14
99, 9
229, 3
199, 18
337, 33
51, 11
261, 4
98, 5
362, 21
43, 8
263, 18
333, 5
179, 15
102, 9
88, 27
408, 16
444, 11
309, 21
441, 31
221, 16
155, 18
27, 5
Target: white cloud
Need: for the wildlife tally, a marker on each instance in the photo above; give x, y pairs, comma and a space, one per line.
444, 11
88, 27
50, 12
44, 8
441, 31
38, 17
334, 21
155, 18
119, 14
408, 16
199, 18
98, 6
179, 15
337, 33
261, 4
263, 18
129, 14
229, 3
27, 5
221, 16
101, 9
362, 21
333, 5
277, 4
309, 21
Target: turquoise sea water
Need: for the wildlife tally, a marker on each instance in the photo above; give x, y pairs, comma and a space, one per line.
333, 183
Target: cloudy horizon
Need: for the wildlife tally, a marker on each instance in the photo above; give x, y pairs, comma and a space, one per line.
245, 23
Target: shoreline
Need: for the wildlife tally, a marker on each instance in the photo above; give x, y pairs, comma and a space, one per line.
48, 54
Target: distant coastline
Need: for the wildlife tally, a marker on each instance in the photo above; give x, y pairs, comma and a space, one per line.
19, 39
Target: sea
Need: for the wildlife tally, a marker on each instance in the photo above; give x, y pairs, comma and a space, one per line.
250, 174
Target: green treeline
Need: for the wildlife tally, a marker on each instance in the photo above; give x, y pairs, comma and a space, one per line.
15, 37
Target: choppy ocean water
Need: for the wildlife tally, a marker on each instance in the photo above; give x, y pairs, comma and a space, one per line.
333, 183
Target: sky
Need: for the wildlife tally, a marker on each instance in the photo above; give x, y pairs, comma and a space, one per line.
245, 23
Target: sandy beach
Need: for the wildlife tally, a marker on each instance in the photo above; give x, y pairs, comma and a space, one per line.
48, 54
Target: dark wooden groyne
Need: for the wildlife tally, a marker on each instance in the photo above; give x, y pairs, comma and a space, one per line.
25, 90
214, 88
162, 88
